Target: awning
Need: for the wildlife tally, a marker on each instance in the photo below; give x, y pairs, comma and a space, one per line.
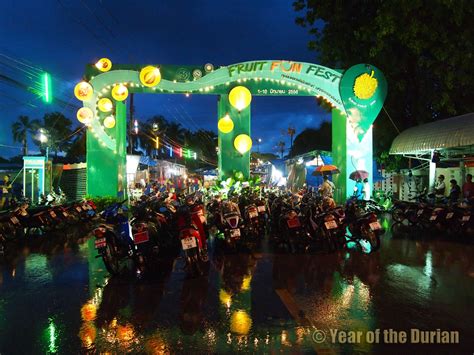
147, 161
451, 133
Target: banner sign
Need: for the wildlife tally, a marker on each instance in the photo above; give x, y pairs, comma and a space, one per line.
363, 89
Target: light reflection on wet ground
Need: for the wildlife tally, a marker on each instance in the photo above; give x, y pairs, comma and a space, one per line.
55, 296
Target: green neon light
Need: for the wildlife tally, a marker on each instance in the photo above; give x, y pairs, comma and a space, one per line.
47, 97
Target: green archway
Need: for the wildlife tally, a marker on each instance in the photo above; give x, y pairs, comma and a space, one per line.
356, 96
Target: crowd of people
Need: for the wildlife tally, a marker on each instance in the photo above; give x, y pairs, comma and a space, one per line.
173, 187
455, 192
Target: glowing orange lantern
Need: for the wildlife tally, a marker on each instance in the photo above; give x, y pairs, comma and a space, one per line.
150, 76
105, 105
83, 91
104, 64
84, 115
120, 92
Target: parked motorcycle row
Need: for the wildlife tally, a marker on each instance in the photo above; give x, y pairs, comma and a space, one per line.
454, 220
309, 223
136, 238
25, 221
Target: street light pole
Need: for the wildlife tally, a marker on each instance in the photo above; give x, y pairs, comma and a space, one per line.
258, 144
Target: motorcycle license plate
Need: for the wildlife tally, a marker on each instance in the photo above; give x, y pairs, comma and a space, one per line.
100, 243
450, 215
420, 212
14, 220
253, 214
466, 218
188, 243
433, 218
330, 224
375, 226
235, 233
293, 223
141, 237
261, 208
53, 214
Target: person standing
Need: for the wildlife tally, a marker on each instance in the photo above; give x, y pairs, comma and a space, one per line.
358, 189
440, 187
468, 188
366, 189
6, 192
327, 187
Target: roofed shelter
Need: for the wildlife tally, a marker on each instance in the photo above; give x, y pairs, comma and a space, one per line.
450, 139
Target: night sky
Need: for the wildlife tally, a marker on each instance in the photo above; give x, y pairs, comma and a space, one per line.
61, 36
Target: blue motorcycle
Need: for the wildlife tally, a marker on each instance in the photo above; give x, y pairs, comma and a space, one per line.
113, 239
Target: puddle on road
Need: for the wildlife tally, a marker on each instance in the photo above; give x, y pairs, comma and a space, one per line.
60, 299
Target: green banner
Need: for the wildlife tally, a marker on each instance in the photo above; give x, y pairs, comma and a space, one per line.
363, 89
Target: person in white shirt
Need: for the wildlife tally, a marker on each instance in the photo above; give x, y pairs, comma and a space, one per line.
440, 187
327, 187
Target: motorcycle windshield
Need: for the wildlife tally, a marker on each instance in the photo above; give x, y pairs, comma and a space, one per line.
230, 208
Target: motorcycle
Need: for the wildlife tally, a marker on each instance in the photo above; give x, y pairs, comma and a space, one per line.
193, 241
113, 239
293, 235
363, 229
252, 223
230, 223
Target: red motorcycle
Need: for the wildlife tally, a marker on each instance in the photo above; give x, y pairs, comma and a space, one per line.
192, 238
198, 217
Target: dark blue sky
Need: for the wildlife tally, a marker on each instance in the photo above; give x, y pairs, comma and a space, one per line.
61, 36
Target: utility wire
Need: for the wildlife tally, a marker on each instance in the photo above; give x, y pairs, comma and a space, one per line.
393, 123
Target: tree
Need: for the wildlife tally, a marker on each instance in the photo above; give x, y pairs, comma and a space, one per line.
281, 148
313, 139
77, 150
175, 132
20, 130
263, 156
425, 50
204, 143
58, 130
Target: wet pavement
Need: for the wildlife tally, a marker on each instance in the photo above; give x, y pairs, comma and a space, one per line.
56, 297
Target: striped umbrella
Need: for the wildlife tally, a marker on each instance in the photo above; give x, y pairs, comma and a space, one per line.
326, 170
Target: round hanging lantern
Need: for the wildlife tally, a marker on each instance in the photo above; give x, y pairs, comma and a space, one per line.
225, 124
83, 91
243, 143
150, 76
85, 115
120, 92
109, 122
103, 64
105, 105
240, 97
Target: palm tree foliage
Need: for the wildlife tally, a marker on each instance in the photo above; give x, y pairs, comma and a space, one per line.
59, 132
21, 128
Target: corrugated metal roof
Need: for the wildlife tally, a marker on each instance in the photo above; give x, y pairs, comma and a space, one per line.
444, 134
